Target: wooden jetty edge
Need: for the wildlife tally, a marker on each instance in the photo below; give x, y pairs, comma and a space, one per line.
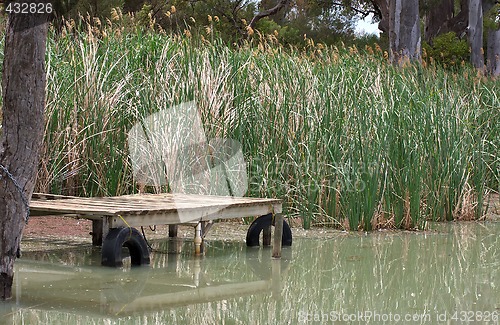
111, 214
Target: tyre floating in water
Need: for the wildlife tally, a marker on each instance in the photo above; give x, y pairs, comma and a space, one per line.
262, 222
130, 238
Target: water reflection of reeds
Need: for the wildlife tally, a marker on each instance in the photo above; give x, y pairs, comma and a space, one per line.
453, 269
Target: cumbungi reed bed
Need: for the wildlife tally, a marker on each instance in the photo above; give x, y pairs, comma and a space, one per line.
344, 138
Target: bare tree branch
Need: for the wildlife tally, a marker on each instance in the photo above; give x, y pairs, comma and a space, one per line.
363, 13
232, 18
376, 9
269, 12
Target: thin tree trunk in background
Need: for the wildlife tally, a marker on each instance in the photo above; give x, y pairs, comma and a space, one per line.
458, 24
437, 18
23, 86
404, 32
493, 52
476, 33
383, 7
491, 12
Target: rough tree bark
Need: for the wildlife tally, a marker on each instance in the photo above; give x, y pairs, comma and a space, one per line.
439, 14
442, 18
459, 22
404, 32
23, 86
475, 33
383, 7
491, 10
493, 52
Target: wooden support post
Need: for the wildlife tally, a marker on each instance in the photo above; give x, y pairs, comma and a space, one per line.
198, 240
172, 231
278, 235
100, 229
266, 236
204, 229
175, 244
96, 232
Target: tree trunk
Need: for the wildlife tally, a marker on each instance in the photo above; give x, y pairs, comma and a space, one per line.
493, 52
476, 33
459, 23
437, 18
491, 12
383, 8
22, 132
404, 32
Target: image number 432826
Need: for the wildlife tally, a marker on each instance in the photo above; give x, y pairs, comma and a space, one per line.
14, 7
58, 7
36, 12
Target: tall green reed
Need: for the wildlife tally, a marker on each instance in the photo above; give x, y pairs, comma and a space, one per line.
342, 137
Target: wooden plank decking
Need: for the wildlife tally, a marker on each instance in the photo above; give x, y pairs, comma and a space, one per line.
149, 209
156, 209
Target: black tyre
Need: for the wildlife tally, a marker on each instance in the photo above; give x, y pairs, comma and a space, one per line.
130, 238
258, 225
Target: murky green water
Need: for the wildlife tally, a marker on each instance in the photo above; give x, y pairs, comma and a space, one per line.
446, 277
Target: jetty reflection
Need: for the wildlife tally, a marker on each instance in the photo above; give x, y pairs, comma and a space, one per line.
452, 268
173, 280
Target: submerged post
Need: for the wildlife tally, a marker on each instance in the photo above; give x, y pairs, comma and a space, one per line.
100, 229
198, 240
172, 231
278, 235
266, 236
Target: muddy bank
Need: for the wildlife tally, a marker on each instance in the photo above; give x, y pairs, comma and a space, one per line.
58, 232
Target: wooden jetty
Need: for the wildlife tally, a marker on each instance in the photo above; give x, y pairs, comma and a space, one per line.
114, 218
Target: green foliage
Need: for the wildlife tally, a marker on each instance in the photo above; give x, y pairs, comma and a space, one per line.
93, 8
143, 16
287, 35
447, 50
268, 26
323, 22
364, 41
492, 18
